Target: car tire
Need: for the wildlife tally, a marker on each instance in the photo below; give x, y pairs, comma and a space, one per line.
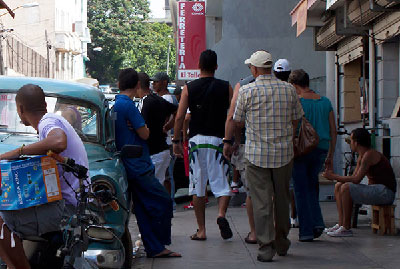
128, 245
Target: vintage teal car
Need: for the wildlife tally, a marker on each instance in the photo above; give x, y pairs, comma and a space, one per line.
93, 122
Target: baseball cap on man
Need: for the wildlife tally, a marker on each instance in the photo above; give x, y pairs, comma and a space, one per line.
282, 65
261, 59
160, 76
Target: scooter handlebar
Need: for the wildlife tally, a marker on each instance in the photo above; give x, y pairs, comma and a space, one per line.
69, 165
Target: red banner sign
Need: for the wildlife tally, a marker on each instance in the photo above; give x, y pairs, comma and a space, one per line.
191, 38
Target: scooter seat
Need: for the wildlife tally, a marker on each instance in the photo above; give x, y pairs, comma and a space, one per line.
50, 236
35, 238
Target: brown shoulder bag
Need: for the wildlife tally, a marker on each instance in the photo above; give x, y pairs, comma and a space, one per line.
307, 139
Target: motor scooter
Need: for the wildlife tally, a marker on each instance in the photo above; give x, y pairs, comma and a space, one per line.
84, 234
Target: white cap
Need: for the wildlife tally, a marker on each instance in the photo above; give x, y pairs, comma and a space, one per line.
260, 58
282, 65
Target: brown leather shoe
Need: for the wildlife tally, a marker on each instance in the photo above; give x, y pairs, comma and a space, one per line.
266, 253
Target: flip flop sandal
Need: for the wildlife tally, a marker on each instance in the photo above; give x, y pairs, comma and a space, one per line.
170, 254
197, 238
226, 231
248, 240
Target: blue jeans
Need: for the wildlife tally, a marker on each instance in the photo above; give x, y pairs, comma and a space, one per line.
306, 184
153, 210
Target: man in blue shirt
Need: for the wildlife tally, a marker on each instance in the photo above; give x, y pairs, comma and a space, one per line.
152, 204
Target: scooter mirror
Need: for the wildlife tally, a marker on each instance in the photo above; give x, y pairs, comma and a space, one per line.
131, 151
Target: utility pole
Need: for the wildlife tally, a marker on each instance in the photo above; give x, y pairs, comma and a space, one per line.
2, 68
48, 47
169, 52
2, 71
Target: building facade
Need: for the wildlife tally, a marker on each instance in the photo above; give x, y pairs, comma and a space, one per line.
47, 38
361, 41
236, 28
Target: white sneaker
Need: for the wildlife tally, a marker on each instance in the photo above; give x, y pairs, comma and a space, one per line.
341, 232
331, 229
235, 187
234, 184
294, 223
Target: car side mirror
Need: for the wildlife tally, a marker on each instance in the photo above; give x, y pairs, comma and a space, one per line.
131, 151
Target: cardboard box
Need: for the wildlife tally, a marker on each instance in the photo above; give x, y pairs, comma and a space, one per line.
29, 182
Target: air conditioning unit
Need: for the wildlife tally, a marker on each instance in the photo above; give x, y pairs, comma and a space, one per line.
79, 28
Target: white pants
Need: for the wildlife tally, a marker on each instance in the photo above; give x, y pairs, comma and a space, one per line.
207, 163
161, 162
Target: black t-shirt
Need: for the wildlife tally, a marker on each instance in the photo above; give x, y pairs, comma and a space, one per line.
208, 105
155, 111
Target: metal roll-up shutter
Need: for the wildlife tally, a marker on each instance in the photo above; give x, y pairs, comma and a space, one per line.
387, 27
360, 13
350, 49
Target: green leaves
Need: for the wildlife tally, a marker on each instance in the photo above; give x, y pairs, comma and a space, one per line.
122, 29
151, 52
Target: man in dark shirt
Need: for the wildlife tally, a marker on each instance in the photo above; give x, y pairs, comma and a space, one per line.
208, 100
160, 86
153, 206
155, 111
381, 186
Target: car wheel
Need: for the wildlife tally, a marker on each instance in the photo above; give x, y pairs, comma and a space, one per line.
127, 241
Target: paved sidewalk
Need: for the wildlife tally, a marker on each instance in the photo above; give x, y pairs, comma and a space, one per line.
364, 250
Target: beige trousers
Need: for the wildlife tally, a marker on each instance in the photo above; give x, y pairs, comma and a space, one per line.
269, 190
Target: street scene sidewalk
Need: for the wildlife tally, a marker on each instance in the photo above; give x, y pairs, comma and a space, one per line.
364, 250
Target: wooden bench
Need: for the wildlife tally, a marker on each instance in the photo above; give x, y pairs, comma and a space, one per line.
383, 219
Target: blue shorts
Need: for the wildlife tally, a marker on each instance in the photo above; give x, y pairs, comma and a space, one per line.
376, 194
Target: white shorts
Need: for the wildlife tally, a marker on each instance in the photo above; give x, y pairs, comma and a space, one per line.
206, 162
161, 162
239, 162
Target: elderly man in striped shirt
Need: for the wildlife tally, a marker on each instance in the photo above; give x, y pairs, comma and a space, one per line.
270, 109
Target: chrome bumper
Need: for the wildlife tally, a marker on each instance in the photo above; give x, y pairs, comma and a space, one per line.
106, 258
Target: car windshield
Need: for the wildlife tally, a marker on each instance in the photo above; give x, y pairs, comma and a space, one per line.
82, 116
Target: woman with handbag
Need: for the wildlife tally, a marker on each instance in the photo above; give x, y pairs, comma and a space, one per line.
314, 146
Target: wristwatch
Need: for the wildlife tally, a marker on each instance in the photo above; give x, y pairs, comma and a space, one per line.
176, 141
227, 141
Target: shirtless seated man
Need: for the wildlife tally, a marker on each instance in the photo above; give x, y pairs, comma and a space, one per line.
381, 186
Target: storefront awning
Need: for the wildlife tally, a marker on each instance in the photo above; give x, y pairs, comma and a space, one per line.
307, 13
295, 12
4, 6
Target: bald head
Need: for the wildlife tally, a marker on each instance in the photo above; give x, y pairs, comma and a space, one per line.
31, 98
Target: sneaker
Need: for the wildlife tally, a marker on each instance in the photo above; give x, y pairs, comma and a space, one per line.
189, 206
294, 223
235, 187
341, 232
331, 229
234, 184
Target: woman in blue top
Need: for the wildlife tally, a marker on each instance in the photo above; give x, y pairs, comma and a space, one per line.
318, 111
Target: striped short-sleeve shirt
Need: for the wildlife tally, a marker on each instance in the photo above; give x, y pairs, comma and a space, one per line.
268, 106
